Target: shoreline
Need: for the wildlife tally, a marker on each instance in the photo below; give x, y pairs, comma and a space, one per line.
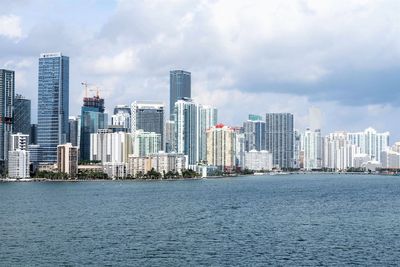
9, 180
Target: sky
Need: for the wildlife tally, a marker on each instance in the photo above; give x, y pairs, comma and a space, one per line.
246, 57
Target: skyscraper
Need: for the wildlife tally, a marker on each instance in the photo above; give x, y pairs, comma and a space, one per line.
208, 117
33, 134
186, 129
280, 138
73, 130
53, 104
18, 156
370, 142
149, 117
67, 159
22, 115
179, 87
93, 118
254, 133
169, 136
312, 144
122, 117
221, 147
7, 91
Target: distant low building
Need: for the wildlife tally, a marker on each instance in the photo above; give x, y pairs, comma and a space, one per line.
258, 160
67, 159
390, 159
18, 164
360, 160
115, 170
160, 162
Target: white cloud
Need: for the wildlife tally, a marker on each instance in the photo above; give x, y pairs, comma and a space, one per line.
10, 27
121, 63
245, 56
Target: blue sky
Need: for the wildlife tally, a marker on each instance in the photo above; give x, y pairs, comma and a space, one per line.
245, 56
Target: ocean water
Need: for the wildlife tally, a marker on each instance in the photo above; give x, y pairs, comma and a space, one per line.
293, 220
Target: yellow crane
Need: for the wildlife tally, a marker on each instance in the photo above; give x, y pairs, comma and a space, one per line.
87, 87
97, 90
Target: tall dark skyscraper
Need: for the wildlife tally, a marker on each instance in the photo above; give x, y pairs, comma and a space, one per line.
33, 134
53, 104
7, 91
280, 138
149, 117
179, 87
22, 115
93, 118
73, 128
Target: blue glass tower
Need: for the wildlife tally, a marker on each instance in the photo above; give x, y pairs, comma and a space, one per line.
22, 115
179, 87
53, 102
254, 133
7, 92
93, 118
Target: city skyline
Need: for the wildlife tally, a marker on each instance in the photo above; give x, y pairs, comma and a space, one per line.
132, 63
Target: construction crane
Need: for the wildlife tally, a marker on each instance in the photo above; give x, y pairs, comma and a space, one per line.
97, 90
89, 87
85, 87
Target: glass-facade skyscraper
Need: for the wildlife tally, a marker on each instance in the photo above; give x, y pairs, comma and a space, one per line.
22, 115
254, 133
73, 130
53, 104
186, 129
7, 91
279, 129
179, 87
93, 118
149, 117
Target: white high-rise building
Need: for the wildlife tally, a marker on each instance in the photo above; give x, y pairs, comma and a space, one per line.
240, 150
339, 151
145, 143
107, 146
191, 123
258, 160
390, 159
122, 117
186, 129
221, 147
312, 147
208, 117
370, 142
19, 141
18, 156
18, 164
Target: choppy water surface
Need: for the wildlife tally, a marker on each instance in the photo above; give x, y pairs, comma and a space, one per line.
250, 221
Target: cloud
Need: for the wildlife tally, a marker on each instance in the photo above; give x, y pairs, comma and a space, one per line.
10, 27
121, 63
245, 56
